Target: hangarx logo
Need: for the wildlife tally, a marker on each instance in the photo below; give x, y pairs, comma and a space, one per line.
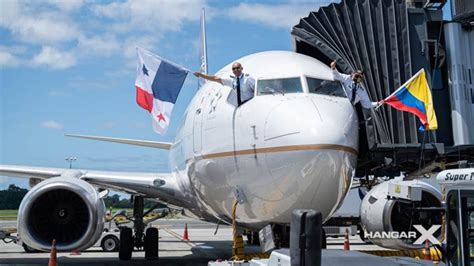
425, 234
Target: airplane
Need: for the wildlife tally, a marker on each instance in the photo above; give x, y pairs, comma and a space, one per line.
294, 145
287, 148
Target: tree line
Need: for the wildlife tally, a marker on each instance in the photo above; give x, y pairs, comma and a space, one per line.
11, 197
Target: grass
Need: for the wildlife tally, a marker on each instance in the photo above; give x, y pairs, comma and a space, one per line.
8, 214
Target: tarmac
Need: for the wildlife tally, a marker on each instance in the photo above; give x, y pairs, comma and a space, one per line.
202, 247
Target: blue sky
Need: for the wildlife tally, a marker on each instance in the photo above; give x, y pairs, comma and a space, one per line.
69, 67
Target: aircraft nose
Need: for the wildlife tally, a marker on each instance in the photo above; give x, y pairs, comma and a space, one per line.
309, 155
311, 120
288, 121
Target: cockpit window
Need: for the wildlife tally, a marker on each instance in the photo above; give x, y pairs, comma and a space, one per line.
279, 86
325, 87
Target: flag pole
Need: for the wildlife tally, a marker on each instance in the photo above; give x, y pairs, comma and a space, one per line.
378, 106
422, 150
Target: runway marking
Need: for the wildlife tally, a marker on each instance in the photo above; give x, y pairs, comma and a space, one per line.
305, 147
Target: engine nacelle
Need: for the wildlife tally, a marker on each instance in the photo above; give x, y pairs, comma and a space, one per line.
64, 208
389, 222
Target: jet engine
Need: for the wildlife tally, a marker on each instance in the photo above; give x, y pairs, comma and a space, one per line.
392, 212
64, 208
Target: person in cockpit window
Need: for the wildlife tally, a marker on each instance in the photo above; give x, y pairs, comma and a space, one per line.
244, 84
353, 86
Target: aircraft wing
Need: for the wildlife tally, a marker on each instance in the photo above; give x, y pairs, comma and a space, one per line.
157, 185
137, 142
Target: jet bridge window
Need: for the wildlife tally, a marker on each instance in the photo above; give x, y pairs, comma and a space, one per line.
325, 87
279, 86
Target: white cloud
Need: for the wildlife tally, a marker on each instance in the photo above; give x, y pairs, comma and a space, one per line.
8, 60
67, 5
43, 30
28, 23
65, 36
150, 15
10, 56
276, 16
111, 10
131, 43
52, 124
37, 23
17, 49
9, 11
54, 58
98, 45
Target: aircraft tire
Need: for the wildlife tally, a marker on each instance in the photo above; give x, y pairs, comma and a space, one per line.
362, 235
255, 239
126, 244
110, 243
151, 243
249, 238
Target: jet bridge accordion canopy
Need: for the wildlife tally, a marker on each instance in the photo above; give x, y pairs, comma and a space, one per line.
389, 42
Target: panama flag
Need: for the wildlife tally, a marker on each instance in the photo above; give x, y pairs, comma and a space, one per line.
415, 97
158, 84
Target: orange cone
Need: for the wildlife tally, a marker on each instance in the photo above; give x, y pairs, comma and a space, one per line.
427, 250
53, 259
346, 241
185, 236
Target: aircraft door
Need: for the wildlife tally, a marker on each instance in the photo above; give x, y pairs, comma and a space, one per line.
246, 129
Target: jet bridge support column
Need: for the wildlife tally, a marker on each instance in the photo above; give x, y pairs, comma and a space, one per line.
305, 238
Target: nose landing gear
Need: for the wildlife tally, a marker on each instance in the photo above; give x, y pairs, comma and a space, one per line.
148, 241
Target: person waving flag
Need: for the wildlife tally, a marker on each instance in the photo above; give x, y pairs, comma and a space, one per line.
415, 97
157, 86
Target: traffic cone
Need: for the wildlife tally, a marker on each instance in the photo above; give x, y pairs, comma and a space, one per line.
185, 236
53, 259
427, 250
346, 241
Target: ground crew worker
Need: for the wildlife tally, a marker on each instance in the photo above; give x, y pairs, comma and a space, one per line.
353, 87
244, 84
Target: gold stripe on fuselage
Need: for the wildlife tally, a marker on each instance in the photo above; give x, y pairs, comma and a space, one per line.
306, 147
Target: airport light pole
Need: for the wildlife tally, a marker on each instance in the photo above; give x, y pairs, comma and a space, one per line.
70, 160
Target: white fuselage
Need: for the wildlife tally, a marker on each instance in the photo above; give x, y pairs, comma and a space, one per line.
282, 151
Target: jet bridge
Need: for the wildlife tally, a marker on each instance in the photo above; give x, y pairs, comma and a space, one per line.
390, 40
